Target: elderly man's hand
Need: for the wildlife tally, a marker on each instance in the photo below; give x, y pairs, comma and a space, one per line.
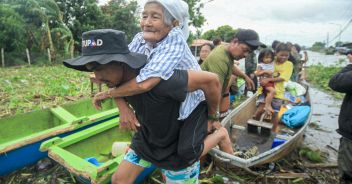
128, 119
249, 83
99, 98
213, 126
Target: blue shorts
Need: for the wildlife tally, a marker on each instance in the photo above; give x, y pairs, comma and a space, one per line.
187, 175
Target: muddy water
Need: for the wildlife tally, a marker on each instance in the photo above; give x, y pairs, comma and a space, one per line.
325, 111
326, 60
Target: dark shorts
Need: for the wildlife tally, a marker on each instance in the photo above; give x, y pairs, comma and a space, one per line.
276, 103
345, 157
193, 133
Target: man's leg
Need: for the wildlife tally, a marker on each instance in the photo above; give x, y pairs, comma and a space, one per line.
276, 105
260, 108
219, 137
187, 175
345, 160
193, 133
194, 140
129, 169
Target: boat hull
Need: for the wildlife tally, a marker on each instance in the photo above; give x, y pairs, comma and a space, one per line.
19, 147
238, 119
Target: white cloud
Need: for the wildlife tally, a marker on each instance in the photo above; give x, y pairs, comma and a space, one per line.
298, 21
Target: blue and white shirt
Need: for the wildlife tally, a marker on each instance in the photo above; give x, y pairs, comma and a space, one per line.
163, 58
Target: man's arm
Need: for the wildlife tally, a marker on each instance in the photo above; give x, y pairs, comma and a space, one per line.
133, 88
265, 81
209, 83
128, 89
238, 72
127, 117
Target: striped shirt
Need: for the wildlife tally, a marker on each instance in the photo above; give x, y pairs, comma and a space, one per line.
163, 58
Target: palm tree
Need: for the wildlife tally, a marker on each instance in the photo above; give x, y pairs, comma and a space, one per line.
45, 16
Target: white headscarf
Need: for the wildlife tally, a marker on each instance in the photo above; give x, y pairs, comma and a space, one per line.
179, 10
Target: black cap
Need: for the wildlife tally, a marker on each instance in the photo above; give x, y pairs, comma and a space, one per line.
104, 46
250, 37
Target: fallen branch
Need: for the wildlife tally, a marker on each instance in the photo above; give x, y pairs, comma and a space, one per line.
279, 175
289, 175
329, 165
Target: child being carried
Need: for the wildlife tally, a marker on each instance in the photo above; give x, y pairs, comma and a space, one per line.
265, 69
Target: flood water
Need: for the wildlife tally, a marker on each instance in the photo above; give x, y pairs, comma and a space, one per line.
315, 58
325, 111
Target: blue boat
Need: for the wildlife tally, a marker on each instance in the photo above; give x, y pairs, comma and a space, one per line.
21, 135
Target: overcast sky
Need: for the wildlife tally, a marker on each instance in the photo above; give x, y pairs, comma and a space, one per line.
299, 21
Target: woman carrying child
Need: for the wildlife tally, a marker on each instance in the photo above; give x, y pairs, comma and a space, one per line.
283, 69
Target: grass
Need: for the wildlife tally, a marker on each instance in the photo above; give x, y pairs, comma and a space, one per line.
319, 76
27, 88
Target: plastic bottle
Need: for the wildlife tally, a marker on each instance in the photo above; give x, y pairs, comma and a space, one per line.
119, 148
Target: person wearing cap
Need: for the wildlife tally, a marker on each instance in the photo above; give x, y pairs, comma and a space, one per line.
161, 136
221, 61
164, 26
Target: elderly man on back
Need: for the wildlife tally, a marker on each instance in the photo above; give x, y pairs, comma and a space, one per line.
164, 26
173, 145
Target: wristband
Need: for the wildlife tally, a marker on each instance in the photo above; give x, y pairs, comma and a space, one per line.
213, 117
225, 95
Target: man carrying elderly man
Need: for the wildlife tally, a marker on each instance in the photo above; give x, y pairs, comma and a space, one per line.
164, 25
173, 145
164, 43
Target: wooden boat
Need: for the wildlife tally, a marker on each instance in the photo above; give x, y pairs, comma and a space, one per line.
236, 124
21, 135
74, 151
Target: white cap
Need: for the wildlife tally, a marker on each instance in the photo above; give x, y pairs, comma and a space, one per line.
179, 10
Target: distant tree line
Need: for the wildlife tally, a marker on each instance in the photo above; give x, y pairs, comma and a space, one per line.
225, 33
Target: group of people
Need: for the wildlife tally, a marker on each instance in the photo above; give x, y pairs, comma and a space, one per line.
172, 102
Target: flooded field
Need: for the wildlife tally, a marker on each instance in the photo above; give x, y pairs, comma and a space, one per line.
326, 60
